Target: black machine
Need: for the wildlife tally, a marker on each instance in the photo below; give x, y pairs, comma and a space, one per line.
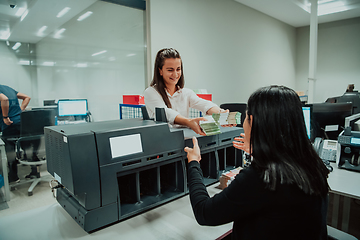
108, 171
328, 119
349, 146
351, 97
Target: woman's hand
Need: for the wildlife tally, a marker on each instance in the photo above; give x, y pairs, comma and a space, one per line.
241, 143
193, 154
227, 125
193, 123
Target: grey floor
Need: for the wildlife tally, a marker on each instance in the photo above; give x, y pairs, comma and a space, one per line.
42, 196
19, 199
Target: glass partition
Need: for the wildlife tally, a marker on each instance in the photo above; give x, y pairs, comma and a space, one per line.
96, 53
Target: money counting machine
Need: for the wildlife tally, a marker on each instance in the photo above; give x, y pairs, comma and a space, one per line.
108, 171
348, 156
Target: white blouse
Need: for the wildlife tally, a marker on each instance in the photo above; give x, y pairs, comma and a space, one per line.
182, 100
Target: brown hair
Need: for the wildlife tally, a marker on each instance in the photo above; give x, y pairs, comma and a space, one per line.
158, 80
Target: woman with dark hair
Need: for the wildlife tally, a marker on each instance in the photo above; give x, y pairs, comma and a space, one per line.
283, 193
167, 91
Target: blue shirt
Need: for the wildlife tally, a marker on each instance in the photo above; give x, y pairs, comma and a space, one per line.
14, 106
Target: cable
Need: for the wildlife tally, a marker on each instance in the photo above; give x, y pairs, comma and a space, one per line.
58, 185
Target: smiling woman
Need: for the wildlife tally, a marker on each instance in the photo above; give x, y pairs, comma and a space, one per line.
167, 91
79, 55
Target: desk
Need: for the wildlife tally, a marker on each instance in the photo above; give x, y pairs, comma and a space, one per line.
174, 220
4, 170
343, 182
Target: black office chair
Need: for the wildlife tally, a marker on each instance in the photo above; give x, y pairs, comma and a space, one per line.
31, 136
236, 107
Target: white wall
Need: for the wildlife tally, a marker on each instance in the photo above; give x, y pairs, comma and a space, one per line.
227, 48
338, 61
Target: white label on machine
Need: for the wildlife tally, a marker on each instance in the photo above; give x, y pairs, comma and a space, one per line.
330, 128
125, 145
57, 177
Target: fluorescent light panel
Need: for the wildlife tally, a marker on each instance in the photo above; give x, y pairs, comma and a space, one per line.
58, 33
41, 31
98, 53
20, 11
16, 46
326, 7
48, 64
85, 15
4, 35
63, 12
24, 15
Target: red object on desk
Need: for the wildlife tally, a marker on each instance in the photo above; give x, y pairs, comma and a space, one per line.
206, 96
133, 99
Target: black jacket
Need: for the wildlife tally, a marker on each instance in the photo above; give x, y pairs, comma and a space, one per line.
257, 212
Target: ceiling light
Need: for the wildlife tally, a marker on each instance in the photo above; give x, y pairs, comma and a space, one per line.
81, 65
112, 59
20, 11
328, 7
63, 12
98, 53
41, 31
24, 62
4, 35
24, 15
58, 33
85, 15
131, 54
16, 46
48, 64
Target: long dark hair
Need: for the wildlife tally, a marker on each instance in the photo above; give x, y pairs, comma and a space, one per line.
158, 81
279, 143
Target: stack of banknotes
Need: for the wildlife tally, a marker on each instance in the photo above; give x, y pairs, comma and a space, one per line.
213, 122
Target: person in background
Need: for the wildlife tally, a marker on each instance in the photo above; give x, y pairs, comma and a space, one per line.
167, 91
350, 88
283, 193
10, 111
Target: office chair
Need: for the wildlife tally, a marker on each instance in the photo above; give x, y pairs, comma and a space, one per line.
236, 107
31, 136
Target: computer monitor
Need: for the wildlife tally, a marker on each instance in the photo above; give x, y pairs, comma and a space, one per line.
329, 119
307, 112
352, 97
72, 107
33, 121
50, 103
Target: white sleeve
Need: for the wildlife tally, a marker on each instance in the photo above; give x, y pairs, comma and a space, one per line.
199, 103
154, 100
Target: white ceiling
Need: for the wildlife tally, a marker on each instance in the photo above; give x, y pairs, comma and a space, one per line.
292, 13
43, 12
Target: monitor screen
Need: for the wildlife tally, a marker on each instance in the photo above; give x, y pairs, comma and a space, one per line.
307, 119
72, 107
329, 119
34, 121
